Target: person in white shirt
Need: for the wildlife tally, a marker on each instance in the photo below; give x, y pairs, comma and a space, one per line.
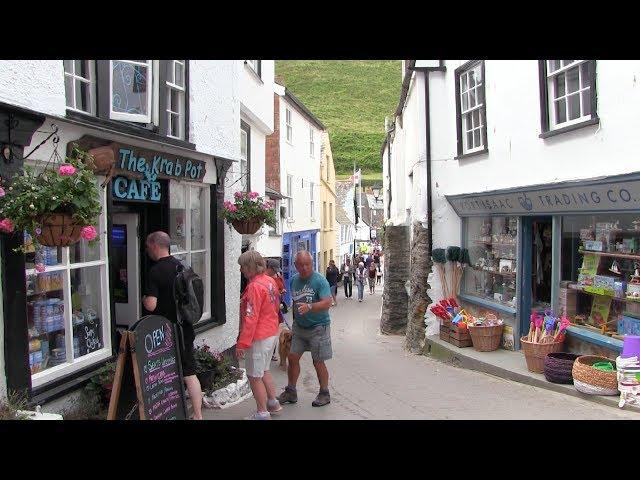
346, 272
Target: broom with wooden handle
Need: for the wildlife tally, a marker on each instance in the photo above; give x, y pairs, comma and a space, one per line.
439, 259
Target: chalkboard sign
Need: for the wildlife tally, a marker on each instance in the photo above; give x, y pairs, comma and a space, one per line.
89, 335
157, 358
157, 371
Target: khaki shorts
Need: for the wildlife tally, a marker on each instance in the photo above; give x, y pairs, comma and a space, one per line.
257, 358
316, 340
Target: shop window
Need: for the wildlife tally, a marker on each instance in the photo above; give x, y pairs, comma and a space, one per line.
131, 90
492, 245
568, 95
600, 288
68, 318
175, 92
245, 156
470, 106
188, 211
79, 85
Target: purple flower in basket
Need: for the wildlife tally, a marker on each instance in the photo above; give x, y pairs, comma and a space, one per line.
549, 323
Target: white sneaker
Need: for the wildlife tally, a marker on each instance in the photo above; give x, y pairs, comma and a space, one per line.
259, 416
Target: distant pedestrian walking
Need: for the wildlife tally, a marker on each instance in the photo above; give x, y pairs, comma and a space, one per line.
372, 278
332, 277
361, 278
346, 270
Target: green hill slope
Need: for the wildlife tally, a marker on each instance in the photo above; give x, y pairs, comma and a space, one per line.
351, 97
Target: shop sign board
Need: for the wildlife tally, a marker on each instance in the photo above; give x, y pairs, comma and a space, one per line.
620, 194
150, 349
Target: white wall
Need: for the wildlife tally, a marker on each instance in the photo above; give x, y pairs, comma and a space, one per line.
256, 94
295, 160
34, 84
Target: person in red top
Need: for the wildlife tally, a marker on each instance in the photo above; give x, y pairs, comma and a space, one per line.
259, 319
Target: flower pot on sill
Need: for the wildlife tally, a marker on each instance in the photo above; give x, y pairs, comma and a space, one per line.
247, 227
59, 230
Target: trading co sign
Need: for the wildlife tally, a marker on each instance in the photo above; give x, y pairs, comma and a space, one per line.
150, 166
596, 196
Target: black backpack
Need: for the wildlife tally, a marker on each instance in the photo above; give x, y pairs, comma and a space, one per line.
188, 291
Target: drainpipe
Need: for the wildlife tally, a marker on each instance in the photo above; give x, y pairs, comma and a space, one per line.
428, 153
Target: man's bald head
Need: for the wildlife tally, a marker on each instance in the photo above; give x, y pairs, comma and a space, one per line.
304, 264
158, 245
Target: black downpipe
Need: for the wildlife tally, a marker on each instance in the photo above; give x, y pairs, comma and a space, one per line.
428, 153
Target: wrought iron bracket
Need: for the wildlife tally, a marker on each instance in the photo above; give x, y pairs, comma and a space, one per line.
56, 139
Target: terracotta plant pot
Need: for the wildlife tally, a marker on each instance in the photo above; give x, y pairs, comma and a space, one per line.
59, 230
247, 227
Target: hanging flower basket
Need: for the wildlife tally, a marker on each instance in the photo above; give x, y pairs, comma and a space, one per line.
59, 230
248, 213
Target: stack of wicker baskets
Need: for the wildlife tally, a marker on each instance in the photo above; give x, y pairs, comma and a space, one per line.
593, 381
535, 353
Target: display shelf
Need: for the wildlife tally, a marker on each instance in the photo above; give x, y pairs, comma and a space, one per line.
44, 292
42, 334
498, 244
608, 254
577, 287
510, 275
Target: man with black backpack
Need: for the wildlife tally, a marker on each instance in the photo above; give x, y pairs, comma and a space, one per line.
172, 292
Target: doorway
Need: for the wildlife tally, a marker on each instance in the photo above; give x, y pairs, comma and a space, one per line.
541, 263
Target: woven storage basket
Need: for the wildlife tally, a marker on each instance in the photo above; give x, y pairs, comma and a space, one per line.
558, 367
486, 339
592, 381
534, 353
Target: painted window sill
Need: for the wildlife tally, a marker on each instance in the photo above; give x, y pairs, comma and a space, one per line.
570, 128
595, 338
487, 304
472, 154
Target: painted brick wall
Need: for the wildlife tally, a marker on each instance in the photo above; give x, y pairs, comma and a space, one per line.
272, 167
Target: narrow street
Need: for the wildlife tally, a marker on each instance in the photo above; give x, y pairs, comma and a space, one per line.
372, 377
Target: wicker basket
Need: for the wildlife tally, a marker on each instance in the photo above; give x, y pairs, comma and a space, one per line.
247, 227
558, 366
535, 353
592, 381
486, 339
59, 230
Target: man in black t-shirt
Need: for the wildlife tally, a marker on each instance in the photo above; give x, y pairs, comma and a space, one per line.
159, 300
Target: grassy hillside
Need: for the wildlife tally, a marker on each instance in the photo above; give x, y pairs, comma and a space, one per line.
351, 97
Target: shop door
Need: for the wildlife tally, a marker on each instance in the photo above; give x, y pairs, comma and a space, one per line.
126, 263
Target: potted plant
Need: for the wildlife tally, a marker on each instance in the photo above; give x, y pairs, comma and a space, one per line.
101, 384
208, 364
55, 207
249, 212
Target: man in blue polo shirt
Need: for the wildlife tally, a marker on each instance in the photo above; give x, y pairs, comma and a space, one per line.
312, 298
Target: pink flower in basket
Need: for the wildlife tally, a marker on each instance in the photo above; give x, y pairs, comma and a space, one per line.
227, 204
89, 232
2, 192
232, 208
66, 170
253, 195
238, 195
6, 225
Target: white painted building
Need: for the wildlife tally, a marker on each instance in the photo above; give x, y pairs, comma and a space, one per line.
300, 140
186, 111
554, 143
345, 235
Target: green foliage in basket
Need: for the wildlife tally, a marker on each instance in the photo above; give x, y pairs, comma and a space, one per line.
69, 188
249, 206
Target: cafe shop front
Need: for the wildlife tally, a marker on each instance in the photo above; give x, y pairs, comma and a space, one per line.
63, 323
571, 247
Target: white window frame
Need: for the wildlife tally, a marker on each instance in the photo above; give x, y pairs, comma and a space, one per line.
276, 208
244, 159
288, 122
290, 197
181, 89
91, 80
255, 66
73, 365
552, 98
311, 142
466, 114
133, 117
189, 186
312, 201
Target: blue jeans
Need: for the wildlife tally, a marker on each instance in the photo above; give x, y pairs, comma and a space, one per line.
360, 285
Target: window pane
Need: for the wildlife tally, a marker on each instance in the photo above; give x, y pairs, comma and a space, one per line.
82, 252
478, 74
182, 258
553, 65
559, 85
86, 302
68, 66
585, 75
179, 75
574, 106
586, 102
472, 80
567, 62
68, 90
83, 96
465, 101
129, 88
199, 265
47, 256
198, 205
480, 95
476, 138
561, 111
472, 98
469, 140
175, 125
175, 104
572, 80
243, 144
176, 218
476, 118
45, 320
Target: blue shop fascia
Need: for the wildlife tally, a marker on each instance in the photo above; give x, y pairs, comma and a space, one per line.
571, 247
